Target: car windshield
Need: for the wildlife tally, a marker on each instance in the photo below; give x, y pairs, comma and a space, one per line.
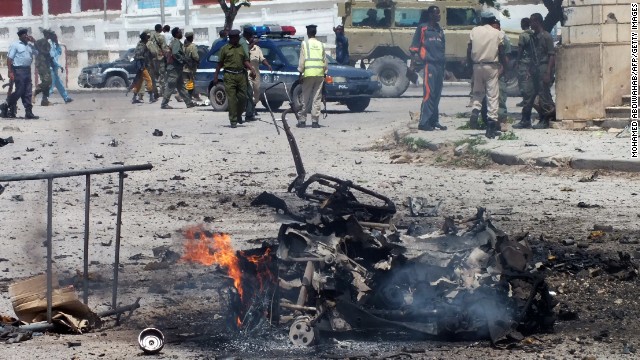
292, 53
127, 55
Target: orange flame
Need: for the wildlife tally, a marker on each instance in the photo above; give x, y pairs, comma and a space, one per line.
213, 250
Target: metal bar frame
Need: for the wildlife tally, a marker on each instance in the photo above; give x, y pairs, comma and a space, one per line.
87, 173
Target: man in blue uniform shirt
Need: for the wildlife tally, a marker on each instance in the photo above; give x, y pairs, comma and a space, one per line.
427, 48
19, 59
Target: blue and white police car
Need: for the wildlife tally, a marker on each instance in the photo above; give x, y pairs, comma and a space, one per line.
350, 86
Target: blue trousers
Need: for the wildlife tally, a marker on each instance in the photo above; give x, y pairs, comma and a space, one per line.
432, 89
22, 88
57, 82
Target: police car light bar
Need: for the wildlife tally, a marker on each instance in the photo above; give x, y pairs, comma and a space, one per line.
274, 30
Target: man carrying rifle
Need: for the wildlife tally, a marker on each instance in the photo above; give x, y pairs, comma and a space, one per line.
19, 60
142, 58
44, 64
538, 83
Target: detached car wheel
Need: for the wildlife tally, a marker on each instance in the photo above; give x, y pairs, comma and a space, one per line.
274, 105
357, 104
218, 98
392, 73
115, 81
296, 96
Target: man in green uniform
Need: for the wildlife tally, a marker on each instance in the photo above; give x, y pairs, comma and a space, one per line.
540, 77
142, 62
175, 65
247, 36
235, 62
158, 46
524, 56
44, 64
191, 65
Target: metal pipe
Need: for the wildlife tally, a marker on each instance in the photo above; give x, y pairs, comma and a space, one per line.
37, 327
298, 307
116, 265
85, 276
53, 175
306, 282
49, 248
186, 13
121, 309
162, 12
105, 9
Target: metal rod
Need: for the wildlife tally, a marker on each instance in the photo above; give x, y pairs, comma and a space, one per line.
162, 12
85, 276
104, 5
53, 175
49, 248
116, 264
36, 327
298, 307
186, 13
121, 309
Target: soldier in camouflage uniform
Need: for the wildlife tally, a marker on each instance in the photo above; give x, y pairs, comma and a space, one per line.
44, 64
175, 66
235, 61
540, 77
524, 57
191, 64
142, 59
157, 46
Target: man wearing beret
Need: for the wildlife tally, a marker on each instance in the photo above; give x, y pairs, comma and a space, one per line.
312, 67
235, 62
19, 60
486, 52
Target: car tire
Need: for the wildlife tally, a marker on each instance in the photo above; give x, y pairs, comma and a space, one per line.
115, 81
218, 98
296, 96
357, 104
274, 105
392, 73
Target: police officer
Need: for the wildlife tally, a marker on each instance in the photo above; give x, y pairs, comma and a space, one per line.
342, 46
502, 85
191, 64
247, 36
235, 62
19, 58
486, 52
428, 47
312, 67
44, 64
175, 66
524, 56
540, 77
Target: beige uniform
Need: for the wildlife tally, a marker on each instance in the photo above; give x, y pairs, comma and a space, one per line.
311, 88
485, 42
256, 58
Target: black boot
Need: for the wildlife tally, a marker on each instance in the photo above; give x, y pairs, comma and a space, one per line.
45, 101
525, 122
152, 97
135, 100
542, 124
13, 110
4, 110
493, 129
28, 114
473, 120
439, 126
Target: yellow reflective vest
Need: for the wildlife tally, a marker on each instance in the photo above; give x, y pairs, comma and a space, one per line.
313, 58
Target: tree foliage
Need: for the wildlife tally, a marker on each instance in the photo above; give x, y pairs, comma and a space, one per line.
230, 10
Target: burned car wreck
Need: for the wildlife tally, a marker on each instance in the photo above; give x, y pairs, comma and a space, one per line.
340, 264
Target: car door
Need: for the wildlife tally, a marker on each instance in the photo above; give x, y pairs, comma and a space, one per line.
207, 68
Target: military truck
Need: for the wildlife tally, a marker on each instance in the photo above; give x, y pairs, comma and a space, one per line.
380, 33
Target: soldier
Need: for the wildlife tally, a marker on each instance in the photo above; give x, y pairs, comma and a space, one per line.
235, 62
142, 60
191, 64
486, 52
312, 67
247, 35
157, 47
427, 48
175, 65
342, 46
56, 51
524, 56
540, 77
44, 64
19, 58
256, 58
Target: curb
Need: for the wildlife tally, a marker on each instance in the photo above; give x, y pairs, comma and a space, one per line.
502, 158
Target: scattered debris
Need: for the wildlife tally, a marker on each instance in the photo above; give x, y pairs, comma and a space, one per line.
113, 143
584, 205
6, 141
157, 132
151, 341
591, 178
418, 207
17, 198
28, 149
98, 156
604, 228
461, 149
175, 136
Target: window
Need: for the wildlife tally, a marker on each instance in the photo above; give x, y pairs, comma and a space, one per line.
55, 7
409, 17
371, 17
99, 5
215, 56
291, 52
462, 17
11, 8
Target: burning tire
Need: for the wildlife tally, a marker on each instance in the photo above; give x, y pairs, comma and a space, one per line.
218, 98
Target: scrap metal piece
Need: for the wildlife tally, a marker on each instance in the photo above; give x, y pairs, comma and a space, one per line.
418, 207
301, 332
151, 341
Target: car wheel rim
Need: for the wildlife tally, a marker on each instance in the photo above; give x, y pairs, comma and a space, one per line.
220, 98
388, 77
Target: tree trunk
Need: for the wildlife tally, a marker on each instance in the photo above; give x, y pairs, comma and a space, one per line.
230, 11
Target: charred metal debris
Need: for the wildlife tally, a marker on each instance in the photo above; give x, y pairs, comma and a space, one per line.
341, 265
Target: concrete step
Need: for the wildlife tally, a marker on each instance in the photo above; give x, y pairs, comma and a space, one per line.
626, 100
618, 111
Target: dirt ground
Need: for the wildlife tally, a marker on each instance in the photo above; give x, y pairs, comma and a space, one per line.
207, 173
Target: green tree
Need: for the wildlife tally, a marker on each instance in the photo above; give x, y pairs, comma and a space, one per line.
230, 10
